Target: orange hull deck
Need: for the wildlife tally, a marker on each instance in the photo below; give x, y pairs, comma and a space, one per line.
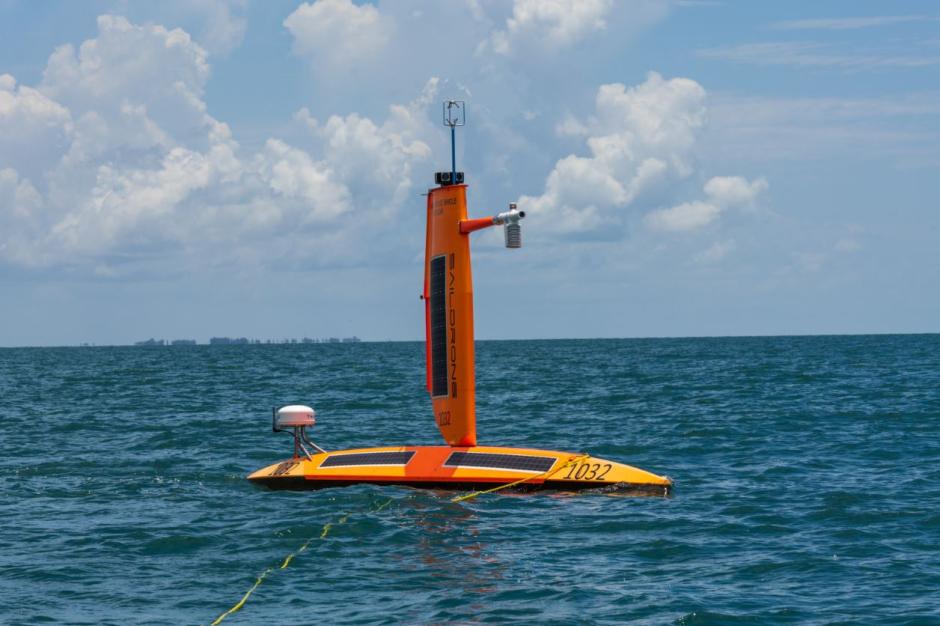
463, 468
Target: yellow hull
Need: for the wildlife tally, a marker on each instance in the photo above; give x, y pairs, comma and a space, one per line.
446, 467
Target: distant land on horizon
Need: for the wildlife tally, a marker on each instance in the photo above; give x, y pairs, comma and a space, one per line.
355, 339
227, 341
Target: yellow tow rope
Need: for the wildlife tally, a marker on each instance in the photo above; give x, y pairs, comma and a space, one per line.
573, 460
287, 560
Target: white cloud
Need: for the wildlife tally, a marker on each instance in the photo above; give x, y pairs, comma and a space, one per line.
218, 25
33, 128
139, 169
552, 23
730, 191
686, 216
849, 23
813, 54
127, 203
295, 174
223, 23
162, 70
18, 197
723, 192
378, 160
19, 205
637, 137
105, 66
716, 252
547, 27
338, 33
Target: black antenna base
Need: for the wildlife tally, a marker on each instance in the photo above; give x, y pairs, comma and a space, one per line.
444, 178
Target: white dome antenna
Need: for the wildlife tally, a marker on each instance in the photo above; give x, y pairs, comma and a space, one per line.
298, 418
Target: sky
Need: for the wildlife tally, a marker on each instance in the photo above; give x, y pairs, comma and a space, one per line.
198, 168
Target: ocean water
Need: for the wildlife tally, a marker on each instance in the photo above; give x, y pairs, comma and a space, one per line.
807, 477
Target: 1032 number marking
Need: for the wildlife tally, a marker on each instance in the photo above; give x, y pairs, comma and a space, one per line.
588, 471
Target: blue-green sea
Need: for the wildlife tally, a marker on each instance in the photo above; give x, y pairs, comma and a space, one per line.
807, 475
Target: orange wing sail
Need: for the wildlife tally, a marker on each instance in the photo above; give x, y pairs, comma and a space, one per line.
448, 296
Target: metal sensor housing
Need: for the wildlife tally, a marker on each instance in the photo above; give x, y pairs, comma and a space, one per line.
512, 229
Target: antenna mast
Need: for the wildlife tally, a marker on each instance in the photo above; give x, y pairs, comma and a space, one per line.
455, 114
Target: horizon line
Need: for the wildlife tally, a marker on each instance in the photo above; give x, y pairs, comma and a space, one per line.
361, 340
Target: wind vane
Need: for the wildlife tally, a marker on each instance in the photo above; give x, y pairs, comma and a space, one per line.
455, 114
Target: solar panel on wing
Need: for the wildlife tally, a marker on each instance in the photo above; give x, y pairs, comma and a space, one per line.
500, 461
438, 307
368, 458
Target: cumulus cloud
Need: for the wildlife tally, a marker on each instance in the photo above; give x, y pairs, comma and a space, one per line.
19, 205
136, 167
125, 163
551, 26
685, 216
127, 202
34, 129
638, 137
378, 159
722, 192
218, 25
551, 23
294, 174
716, 252
222, 23
338, 33
734, 191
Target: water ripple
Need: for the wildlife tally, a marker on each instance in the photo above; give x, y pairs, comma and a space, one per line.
807, 472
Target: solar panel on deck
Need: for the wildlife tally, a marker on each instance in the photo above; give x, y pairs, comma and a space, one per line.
438, 309
500, 461
368, 458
